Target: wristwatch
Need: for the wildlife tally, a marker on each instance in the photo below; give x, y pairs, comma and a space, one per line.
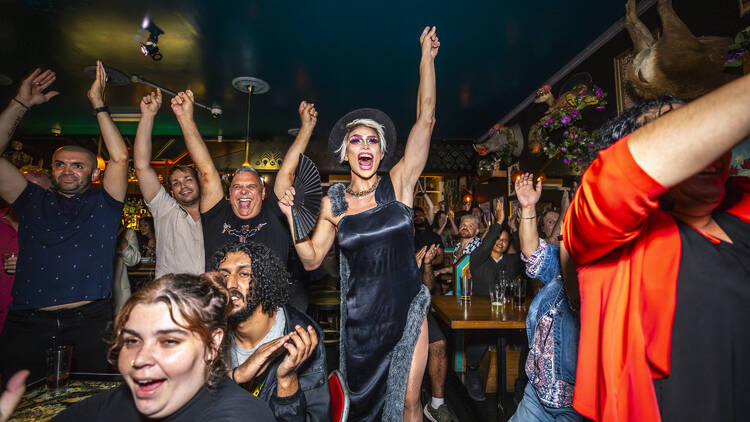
101, 109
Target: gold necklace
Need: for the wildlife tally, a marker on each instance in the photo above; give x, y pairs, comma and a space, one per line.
362, 193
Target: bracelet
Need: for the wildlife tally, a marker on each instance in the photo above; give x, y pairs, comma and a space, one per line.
101, 109
235, 368
21, 104
528, 218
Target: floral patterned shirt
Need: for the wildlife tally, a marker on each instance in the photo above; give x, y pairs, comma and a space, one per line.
540, 366
458, 253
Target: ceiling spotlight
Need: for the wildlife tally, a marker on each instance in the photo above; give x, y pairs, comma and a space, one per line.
150, 47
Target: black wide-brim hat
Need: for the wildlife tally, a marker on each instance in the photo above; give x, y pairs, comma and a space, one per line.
389, 131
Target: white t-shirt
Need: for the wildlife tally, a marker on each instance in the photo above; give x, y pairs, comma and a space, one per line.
179, 238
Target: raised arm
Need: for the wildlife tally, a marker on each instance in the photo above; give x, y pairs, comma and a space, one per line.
312, 249
308, 116
115, 179
211, 189
693, 136
406, 172
528, 195
148, 180
430, 211
30, 93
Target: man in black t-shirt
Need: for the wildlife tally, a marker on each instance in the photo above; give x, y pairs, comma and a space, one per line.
424, 236
243, 216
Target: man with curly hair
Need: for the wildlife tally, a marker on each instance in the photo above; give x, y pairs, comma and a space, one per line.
273, 348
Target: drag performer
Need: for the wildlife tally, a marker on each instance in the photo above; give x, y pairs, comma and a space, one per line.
661, 238
383, 347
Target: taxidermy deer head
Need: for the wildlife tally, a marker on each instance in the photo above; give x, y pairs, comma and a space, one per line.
679, 63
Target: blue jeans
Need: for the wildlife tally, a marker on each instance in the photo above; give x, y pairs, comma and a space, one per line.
531, 410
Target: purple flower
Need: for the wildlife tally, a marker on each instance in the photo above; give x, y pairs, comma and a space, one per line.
575, 113
575, 136
563, 149
599, 92
579, 161
567, 160
548, 122
600, 108
591, 144
566, 133
565, 119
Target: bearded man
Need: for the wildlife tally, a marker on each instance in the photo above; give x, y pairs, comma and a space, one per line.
273, 348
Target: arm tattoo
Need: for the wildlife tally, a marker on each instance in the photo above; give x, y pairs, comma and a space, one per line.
13, 127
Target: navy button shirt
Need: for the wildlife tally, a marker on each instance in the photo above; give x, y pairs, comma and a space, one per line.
65, 247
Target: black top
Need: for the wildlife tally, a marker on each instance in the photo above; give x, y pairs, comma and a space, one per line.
65, 246
710, 371
378, 245
221, 227
426, 237
484, 269
228, 402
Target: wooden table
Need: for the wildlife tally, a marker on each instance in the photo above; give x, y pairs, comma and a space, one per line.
476, 315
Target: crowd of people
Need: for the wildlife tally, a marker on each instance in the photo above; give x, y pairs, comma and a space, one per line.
643, 271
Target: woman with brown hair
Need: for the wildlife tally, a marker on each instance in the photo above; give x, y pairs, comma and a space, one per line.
168, 345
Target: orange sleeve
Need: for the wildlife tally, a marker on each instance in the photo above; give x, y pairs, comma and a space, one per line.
609, 209
740, 185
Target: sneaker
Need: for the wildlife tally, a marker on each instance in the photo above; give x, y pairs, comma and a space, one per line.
474, 385
441, 414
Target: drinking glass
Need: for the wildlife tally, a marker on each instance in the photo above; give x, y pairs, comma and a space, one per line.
520, 291
58, 368
497, 297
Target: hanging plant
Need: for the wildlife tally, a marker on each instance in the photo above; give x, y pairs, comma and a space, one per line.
561, 134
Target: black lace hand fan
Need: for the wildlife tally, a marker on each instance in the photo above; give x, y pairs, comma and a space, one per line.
306, 198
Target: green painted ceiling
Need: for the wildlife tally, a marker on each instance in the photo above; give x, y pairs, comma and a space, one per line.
341, 55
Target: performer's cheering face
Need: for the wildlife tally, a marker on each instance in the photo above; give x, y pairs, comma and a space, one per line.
363, 151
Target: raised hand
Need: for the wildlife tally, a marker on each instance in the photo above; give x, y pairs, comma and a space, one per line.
443, 221
258, 361
286, 201
528, 194
299, 350
429, 41
564, 202
308, 115
31, 92
182, 104
151, 103
96, 92
499, 211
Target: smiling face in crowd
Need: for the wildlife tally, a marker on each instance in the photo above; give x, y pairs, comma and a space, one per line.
163, 364
184, 187
246, 194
